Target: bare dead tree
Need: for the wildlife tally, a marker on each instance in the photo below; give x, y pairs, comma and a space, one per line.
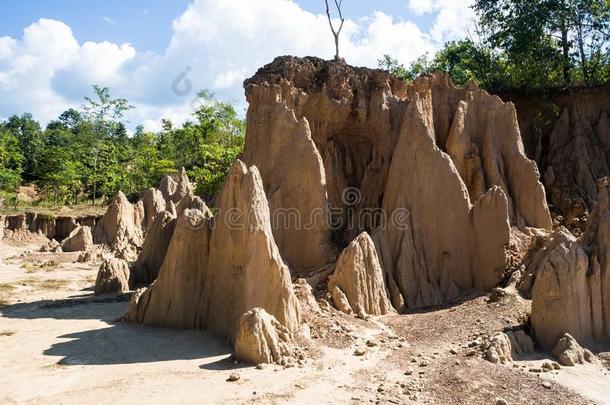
337, 32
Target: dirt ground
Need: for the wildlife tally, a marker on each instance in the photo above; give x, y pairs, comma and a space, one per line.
60, 344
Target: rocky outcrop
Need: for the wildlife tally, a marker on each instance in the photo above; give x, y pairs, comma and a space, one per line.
154, 204
567, 132
22, 226
357, 284
571, 291
374, 153
120, 227
560, 294
52, 246
433, 252
183, 187
569, 353
175, 188
217, 269
262, 339
296, 186
112, 277
504, 347
484, 159
79, 240
160, 232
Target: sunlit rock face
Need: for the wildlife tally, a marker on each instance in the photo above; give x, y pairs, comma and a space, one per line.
437, 174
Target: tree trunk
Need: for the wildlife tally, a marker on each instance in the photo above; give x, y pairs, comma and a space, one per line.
583, 55
566, 53
337, 47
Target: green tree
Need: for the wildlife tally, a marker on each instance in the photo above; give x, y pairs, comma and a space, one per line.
551, 37
29, 135
11, 161
105, 116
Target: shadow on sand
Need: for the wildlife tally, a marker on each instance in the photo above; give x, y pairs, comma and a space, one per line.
120, 342
124, 343
85, 306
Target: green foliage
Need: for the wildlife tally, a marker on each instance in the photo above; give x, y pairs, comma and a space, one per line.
87, 154
209, 146
549, 42
29, 135
531, 45
11, 160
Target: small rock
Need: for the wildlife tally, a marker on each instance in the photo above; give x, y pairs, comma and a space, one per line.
535, 370
233, 377
501, 401
547, 385
471, 353
371, 343
359, 352
453, 351
408, 372
261, 366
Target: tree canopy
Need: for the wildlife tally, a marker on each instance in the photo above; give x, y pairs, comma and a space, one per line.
527, 45
88, 153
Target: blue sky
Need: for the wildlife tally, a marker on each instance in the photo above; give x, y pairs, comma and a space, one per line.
147, 24
51, 51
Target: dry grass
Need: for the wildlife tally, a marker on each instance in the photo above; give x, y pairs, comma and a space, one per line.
45, 284
34, 267
6, 288
30, 202
7, 332
72, 210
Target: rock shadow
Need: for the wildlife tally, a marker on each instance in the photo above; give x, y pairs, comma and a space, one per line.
86, 306
125, 343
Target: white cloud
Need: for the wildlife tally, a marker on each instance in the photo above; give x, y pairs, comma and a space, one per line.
48, 49
215, 45
420, 7
454, 18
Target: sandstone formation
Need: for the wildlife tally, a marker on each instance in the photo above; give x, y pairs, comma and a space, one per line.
160, 232
560, 294
296, 186
571, 292
183, 187
217, 269
52, 246
79, 240
375, 154
505, 346
120, 227
154, 204
175, 188
262, 339
112, 277
569, 353
567, 132
21, 226
357, 284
